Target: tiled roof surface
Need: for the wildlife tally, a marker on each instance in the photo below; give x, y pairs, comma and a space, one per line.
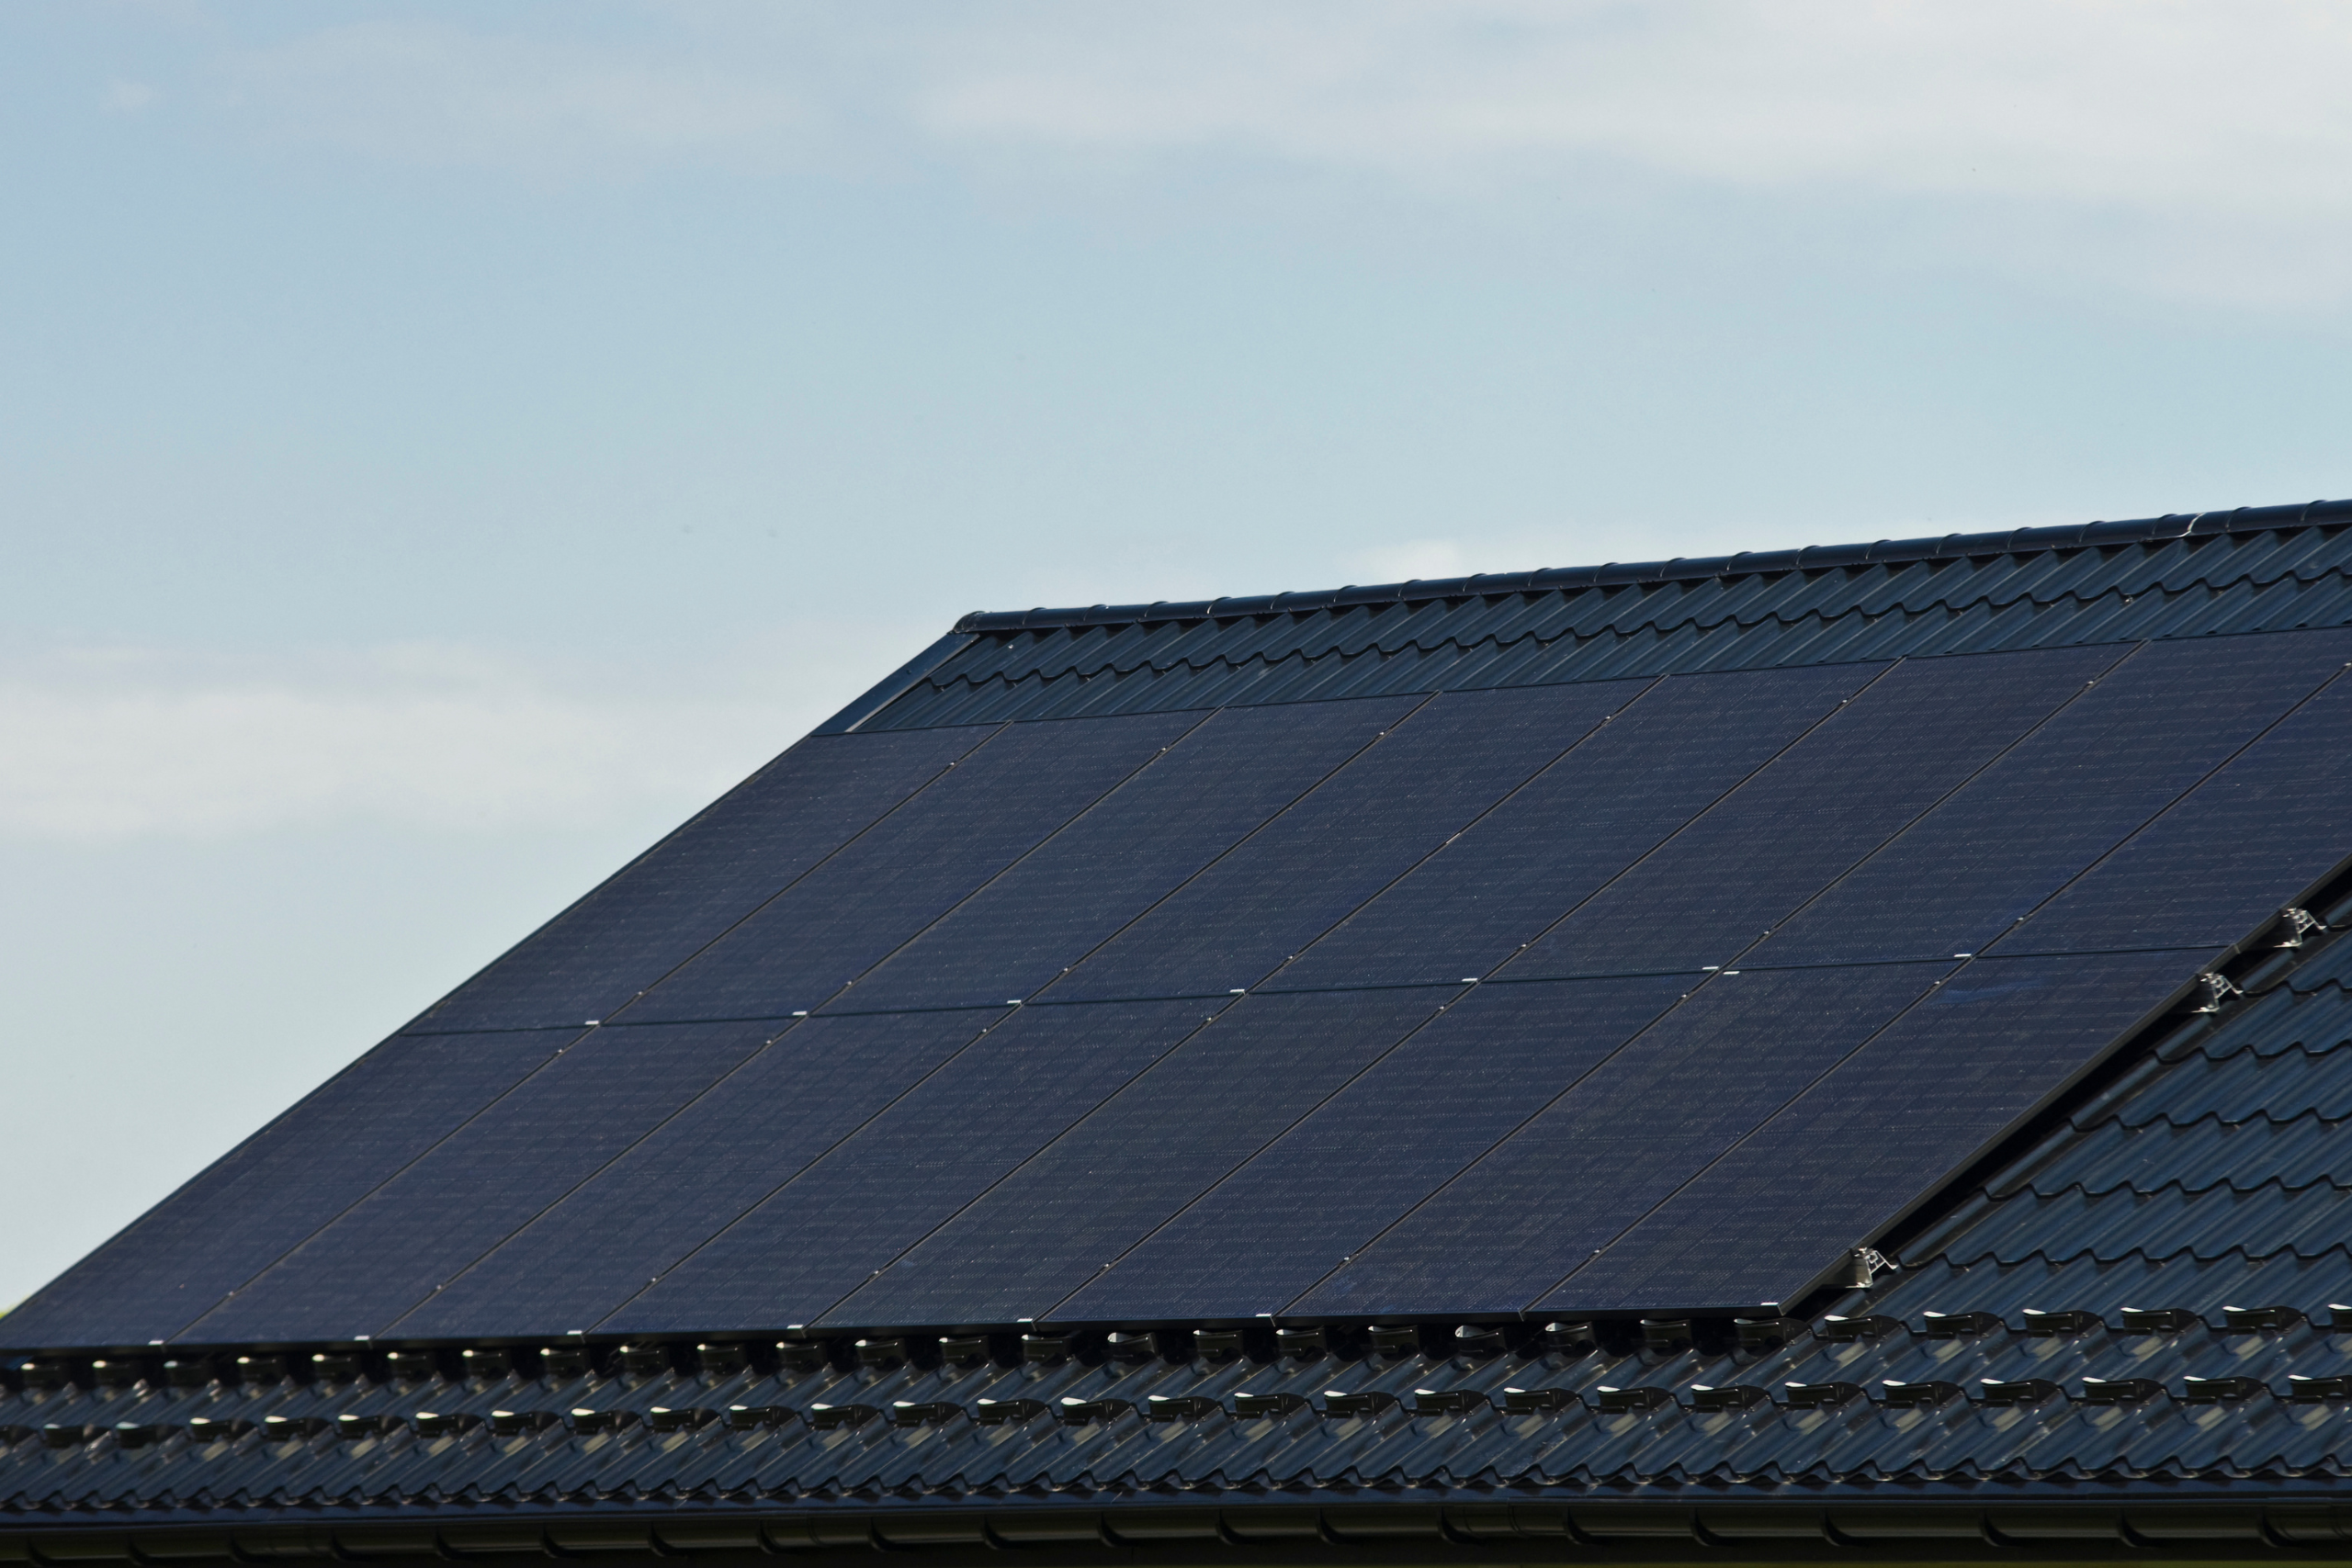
2267, 571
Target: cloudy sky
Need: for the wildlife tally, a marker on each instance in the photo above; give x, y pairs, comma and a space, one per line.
440, 446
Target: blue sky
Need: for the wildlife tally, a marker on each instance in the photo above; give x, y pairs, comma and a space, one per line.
440, 446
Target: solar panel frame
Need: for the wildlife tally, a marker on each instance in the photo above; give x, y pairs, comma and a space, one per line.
1997, 848
505, 1166
1048, 1228
1880, 1132
1433, 774
1685, 743
930, 1152
1753, 859
1411, 1120
730, 857
1688, 1086
327, 1152
720, 1156
2194, 876
1145, 839
995, 803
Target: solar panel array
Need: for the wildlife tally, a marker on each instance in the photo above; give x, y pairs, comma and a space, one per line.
1607, 996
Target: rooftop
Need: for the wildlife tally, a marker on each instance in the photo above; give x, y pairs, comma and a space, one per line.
1791, 1053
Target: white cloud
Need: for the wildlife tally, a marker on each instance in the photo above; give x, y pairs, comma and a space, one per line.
109, 745
2188, 143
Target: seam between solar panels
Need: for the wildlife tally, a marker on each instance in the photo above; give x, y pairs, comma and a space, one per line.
1987, 1148
1648, 684
1005, 871
545, 1063
1740, 959
1496, 977
1597, 728
2018, 740
1190, 1034
1989, 949
766, 1045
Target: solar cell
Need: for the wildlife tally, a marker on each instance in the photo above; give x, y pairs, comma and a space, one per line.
1161, 827
657, 912
2008, 839
1670, 754
1359, 829
934, 1150
2267, 824
1585, 1167
487, 1178
1140, 1157
1914, 1106
691, 1175
324, 1154
1751, 859
1412, 1122
994, 804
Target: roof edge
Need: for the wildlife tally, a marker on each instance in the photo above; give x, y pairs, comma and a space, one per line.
1815, 558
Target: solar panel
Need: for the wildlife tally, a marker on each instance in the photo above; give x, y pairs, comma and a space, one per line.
1619, 1141
323, 1155
657, 912
1914, 1106
2150, 729
713, 1160
1365, 1157
1164, 826
1750, 860
1400, 799
998, 803
2257, 834
488, 1178
1666, 758
947, 1140
1140, 1158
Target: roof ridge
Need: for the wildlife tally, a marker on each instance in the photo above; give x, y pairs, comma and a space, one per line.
1813, 558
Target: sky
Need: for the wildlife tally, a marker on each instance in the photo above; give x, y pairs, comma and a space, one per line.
441, 447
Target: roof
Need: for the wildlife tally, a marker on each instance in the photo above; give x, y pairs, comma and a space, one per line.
1571, 1183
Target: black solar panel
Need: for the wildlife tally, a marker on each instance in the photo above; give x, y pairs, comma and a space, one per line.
1412, 1122
2149, 730
1758, 1225
485, 1180
941, 1145
1209, 792
1139, 1159
717, 1158
1710, 892
1398, 800
1669, 755
994, 805
659, 911
2264, 826
281, 1185
1496, 1236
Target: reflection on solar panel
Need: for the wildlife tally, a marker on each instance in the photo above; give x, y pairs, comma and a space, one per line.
1627, 944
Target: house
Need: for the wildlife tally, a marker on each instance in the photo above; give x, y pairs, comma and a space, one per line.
1837, 1052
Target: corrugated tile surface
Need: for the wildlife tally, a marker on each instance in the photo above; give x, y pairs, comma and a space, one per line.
2042, 588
